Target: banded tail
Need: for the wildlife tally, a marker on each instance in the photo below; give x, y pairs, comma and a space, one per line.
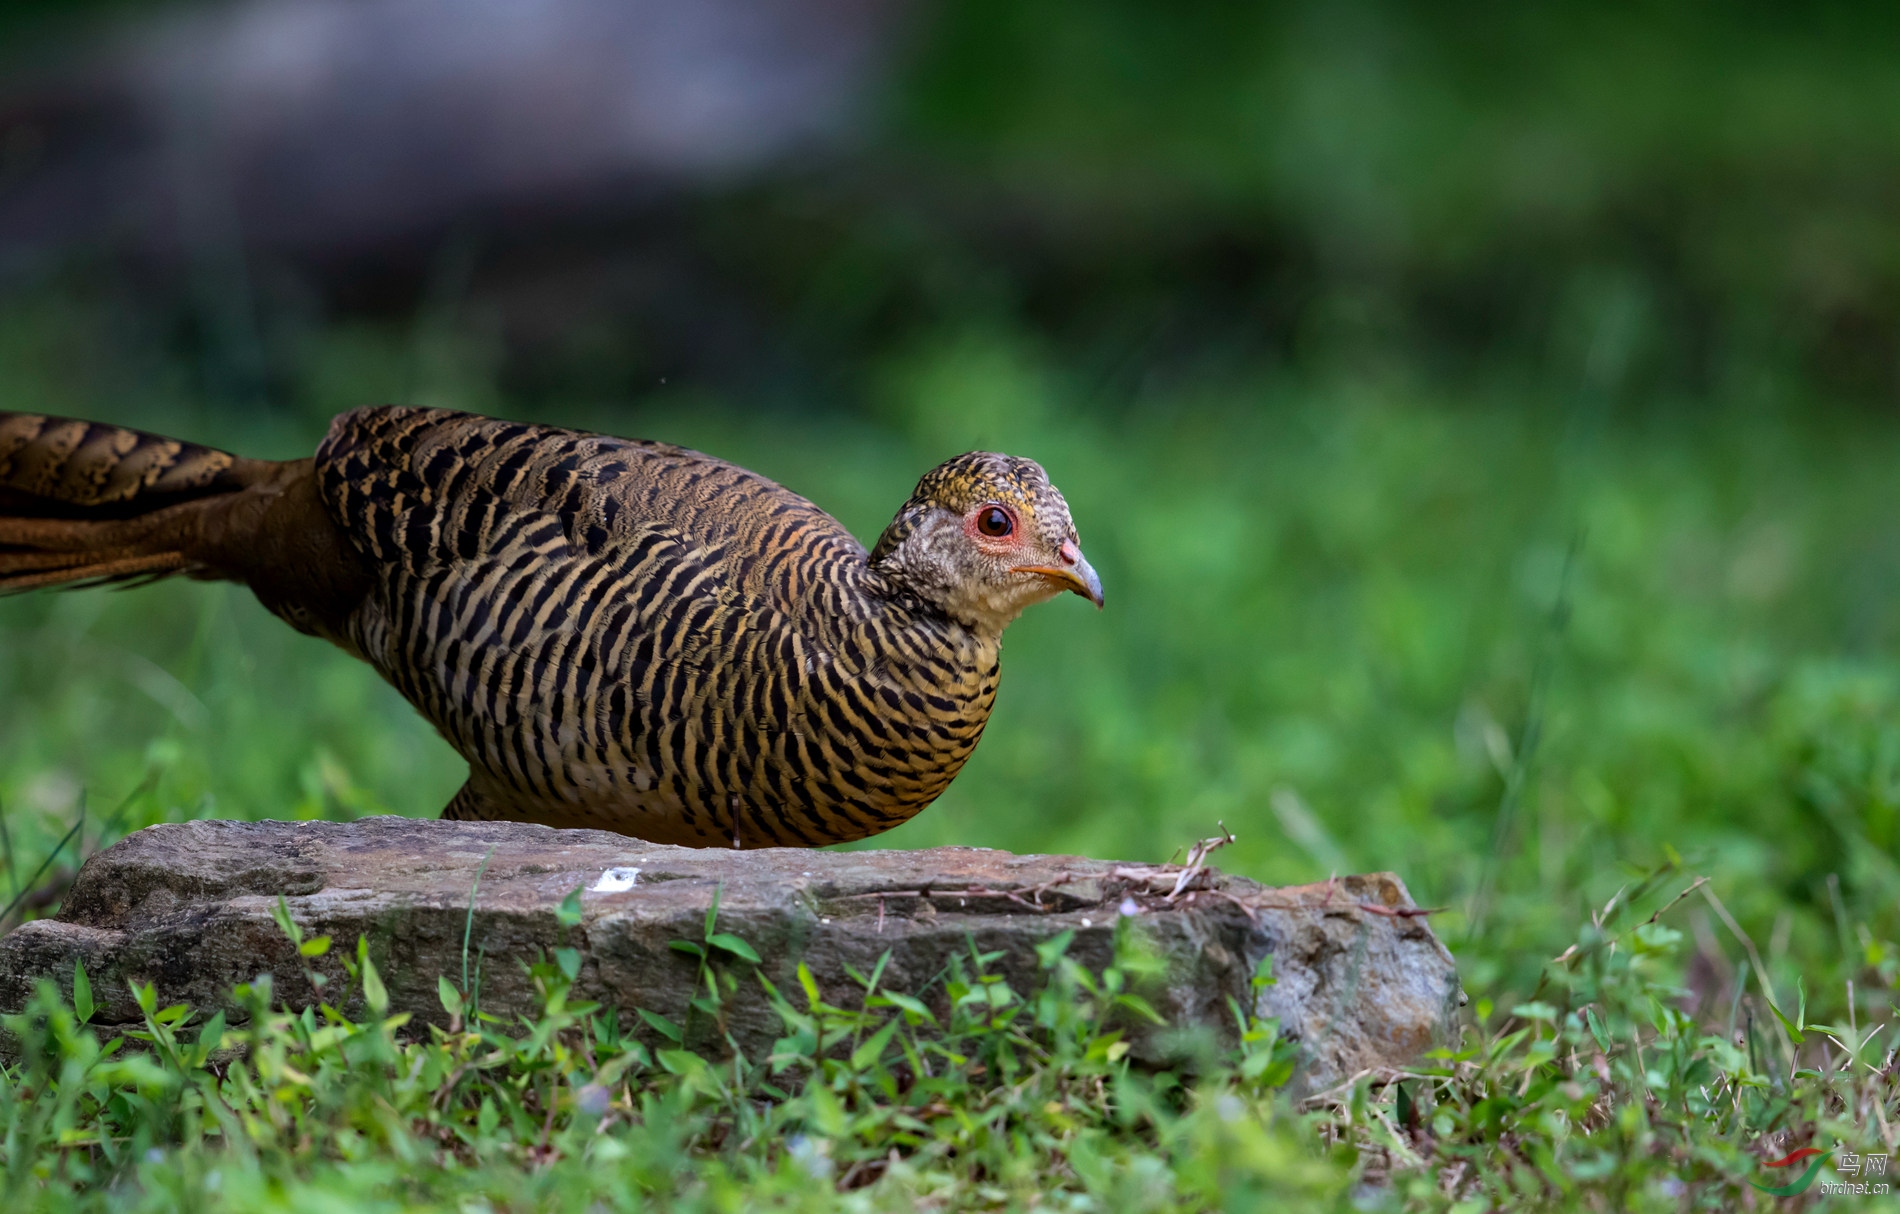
84, 503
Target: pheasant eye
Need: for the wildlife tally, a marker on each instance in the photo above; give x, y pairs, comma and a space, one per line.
994, 521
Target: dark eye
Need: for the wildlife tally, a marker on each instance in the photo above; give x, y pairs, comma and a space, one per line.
994, 521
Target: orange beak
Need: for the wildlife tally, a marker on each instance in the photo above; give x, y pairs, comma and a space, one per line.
1074, 573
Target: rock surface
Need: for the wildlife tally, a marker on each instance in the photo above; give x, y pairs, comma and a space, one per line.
1362, 981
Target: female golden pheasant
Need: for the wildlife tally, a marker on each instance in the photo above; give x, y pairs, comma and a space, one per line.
614, 633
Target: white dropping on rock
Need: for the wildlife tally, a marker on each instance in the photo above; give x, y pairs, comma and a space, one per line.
615, 881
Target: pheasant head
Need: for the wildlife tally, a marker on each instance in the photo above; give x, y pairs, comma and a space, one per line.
981, 538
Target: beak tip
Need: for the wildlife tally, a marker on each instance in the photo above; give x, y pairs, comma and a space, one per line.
1089, 582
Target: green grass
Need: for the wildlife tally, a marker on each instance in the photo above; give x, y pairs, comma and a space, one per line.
1520, 640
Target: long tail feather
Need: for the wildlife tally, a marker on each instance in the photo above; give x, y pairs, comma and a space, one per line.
82, 502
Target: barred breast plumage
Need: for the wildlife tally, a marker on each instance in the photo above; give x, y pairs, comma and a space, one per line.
615, 633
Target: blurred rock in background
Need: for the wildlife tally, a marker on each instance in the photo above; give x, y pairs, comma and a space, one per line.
332, 127
346, 144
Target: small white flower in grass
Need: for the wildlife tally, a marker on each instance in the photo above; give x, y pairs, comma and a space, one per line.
1088, 923
615, 881
593, 1100
1129, 907
812, 1155
1229, 1108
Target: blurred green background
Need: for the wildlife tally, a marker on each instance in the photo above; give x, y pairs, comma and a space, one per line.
1483, 419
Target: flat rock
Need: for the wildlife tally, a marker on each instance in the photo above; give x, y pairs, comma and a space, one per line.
1362, 983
